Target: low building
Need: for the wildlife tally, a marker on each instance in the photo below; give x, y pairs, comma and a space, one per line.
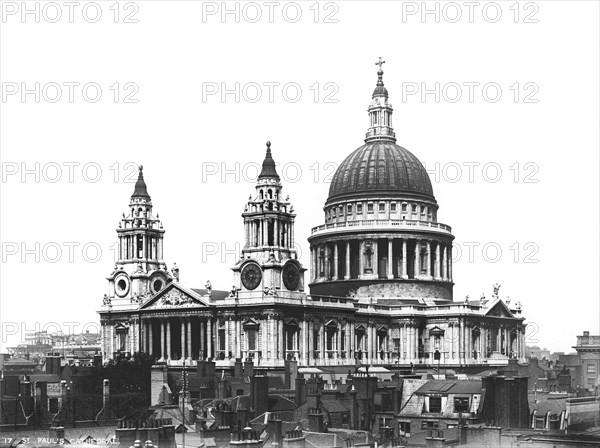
588, 349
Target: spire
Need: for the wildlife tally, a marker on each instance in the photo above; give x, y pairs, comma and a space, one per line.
140, 186
268, 166
380, 112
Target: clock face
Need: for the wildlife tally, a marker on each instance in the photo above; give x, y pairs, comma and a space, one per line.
251, 276
291, 276
122, 285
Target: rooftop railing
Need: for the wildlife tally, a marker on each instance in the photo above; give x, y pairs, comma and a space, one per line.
400, 223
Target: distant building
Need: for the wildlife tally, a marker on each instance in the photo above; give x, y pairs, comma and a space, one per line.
536, 352
588, 349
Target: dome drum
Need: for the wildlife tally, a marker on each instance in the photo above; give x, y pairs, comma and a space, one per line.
381, 257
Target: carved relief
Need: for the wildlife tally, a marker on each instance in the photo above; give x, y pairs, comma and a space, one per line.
174, 298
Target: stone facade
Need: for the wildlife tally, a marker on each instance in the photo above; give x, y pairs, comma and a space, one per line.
380, 279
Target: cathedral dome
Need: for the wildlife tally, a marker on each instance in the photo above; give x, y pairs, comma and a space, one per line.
377, 168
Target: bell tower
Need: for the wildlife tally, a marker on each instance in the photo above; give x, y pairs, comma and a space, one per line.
269, 260
140, 271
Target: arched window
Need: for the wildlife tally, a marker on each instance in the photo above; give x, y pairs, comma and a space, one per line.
260, 195
270, 193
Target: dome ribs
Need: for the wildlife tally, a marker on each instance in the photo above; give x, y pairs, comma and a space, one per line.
380, 166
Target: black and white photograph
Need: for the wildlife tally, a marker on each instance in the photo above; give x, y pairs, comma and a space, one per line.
299, 224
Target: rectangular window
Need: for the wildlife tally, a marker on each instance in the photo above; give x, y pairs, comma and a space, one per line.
404, 206
393, 207
381, 207
435, 404
341, 213
429, 425
461, 404
222, 339
359, 208
369, 208
404, 428
251, 339
414, 209
349, 209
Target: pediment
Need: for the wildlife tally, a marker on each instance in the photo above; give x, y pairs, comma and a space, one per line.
499, 310
175, 296
436, 331
250, 323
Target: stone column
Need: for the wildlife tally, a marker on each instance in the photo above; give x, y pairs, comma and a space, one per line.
361, 258
305, 348
336, 270
444, 263
209, 338
280, 337
226, 348
143, 337
417, 258
234, 337
189, 338
276, 239
202, 350
311, 343
266, 340
272, 338
323, 343
376, 257
468, 343
168, 330
404, 260
454, 341
410, 343
449, 257
428, 257
347, 273
150, 338
499, 339
347, 340
338, 341
352, 343
327, 262
436, 272
163, 348
240, 334
390, 264
461, 342
372, 343
313, 262
182, 327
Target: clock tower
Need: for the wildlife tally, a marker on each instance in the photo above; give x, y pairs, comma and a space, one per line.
269, 261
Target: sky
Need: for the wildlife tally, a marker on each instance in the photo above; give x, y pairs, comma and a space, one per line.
500, 102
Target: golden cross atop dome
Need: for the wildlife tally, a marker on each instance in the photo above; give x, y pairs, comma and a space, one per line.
380, 63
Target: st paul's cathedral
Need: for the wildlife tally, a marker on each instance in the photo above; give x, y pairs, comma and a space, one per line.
378, 289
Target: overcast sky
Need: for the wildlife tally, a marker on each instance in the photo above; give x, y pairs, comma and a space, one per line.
508, 131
